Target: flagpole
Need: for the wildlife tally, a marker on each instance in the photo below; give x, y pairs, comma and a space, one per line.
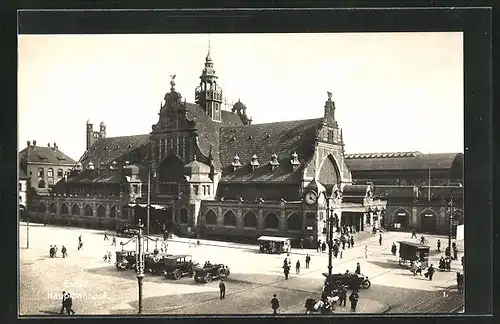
149, 207
429, 173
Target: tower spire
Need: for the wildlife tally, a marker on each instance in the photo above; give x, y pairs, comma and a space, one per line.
209, 58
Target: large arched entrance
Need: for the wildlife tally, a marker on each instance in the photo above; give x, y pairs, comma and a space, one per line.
428, 221
401, 219
329, 173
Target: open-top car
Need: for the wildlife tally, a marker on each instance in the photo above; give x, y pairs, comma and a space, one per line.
350, 279
210, 271
178, 266
126, 232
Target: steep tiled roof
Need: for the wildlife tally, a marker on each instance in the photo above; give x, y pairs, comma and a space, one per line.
42, 154
107, 150
264, 140
408, 192
93, 176
354, 190
230, 118
402, 160
386, 192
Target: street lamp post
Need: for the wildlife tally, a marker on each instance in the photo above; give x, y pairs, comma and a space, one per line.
140, 264
329, 218
450, 224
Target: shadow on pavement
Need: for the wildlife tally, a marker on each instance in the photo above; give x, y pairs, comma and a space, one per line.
389, 264
52, 313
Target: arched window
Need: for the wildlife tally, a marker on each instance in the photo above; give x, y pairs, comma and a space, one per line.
184, 216
272, 221
40, 173
88, 210
229, 219
211, 218
112, 212
60, 174
75, 210
41, 183
64, 209
42, 208
294, 222
250, 220
101, 211
52, 208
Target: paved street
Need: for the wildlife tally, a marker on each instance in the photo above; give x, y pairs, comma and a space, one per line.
99, 288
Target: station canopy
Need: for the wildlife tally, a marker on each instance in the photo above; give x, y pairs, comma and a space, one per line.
274, 239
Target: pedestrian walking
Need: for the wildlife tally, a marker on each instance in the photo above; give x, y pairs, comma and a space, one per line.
222, 289
323, 247
430, 272
353, 298
105, 257
275, 304
352, 241
349, 243
80, 243
413, 234
297, 267
64, 251
302, 243
308, 260
358, 269
106, 236
341, 254
343, 296
286, 271
69, 305
380, 240
63, 303
114, 241
439, 245
109, 257
55, 251
455, 253
319, 246
366, 251
51, 251
393, 248
344, 241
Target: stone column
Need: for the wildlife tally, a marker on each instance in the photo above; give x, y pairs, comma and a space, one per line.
260, 219
282, 215
239, 218
414, 221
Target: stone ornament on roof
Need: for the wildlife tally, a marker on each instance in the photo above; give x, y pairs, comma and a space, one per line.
274, 160
236, 162
90, 166
254, 161
295, 159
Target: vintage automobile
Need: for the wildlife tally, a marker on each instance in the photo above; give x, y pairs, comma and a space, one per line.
154, 263
352, 280
210, 271
178, 266
125, 260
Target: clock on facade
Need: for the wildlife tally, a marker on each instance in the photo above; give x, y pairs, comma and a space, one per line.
310, 198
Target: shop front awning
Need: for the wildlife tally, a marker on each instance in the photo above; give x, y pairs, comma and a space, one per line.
353, 208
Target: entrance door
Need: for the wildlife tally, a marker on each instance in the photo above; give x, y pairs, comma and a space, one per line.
428, 222
401, 219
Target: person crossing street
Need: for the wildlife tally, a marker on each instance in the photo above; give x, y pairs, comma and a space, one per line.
354, 298
106, 238
297, 267
275, 304
222, 288
380, 240
308, 260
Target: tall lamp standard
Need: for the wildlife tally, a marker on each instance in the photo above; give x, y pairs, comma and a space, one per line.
149, 205
140, 263
329, 221
450, 210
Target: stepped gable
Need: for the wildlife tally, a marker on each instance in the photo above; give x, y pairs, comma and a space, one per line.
401, 161
109, 149
43, 154
264, 140
208, 130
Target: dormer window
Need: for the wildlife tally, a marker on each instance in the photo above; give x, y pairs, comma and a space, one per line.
90, 166
295, 160
274, 161
236, 162
254, 163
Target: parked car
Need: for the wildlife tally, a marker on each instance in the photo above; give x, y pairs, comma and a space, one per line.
155, 263
352, 280
126, 232
210, 271
125, 260
178, 266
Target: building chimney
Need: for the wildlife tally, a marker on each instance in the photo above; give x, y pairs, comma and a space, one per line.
34, 142
55, 146
48, 144
28, 143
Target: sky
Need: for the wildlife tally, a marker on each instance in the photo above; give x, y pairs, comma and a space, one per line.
393, 92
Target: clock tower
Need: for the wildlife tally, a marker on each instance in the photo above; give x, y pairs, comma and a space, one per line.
314, 200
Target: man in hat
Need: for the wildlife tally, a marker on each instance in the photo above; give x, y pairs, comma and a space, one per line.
308, 260
275, 304
64, 251
222, 288
358, 269
354, 297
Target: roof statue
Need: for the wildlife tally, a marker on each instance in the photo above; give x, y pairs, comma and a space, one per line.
329, 95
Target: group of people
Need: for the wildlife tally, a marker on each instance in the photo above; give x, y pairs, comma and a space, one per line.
53, 251
287, 263
343, 240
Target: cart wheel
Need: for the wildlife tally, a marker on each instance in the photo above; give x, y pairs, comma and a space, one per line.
177, 274
366, 284
227, 273
399, 261
221, 272
208, 278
